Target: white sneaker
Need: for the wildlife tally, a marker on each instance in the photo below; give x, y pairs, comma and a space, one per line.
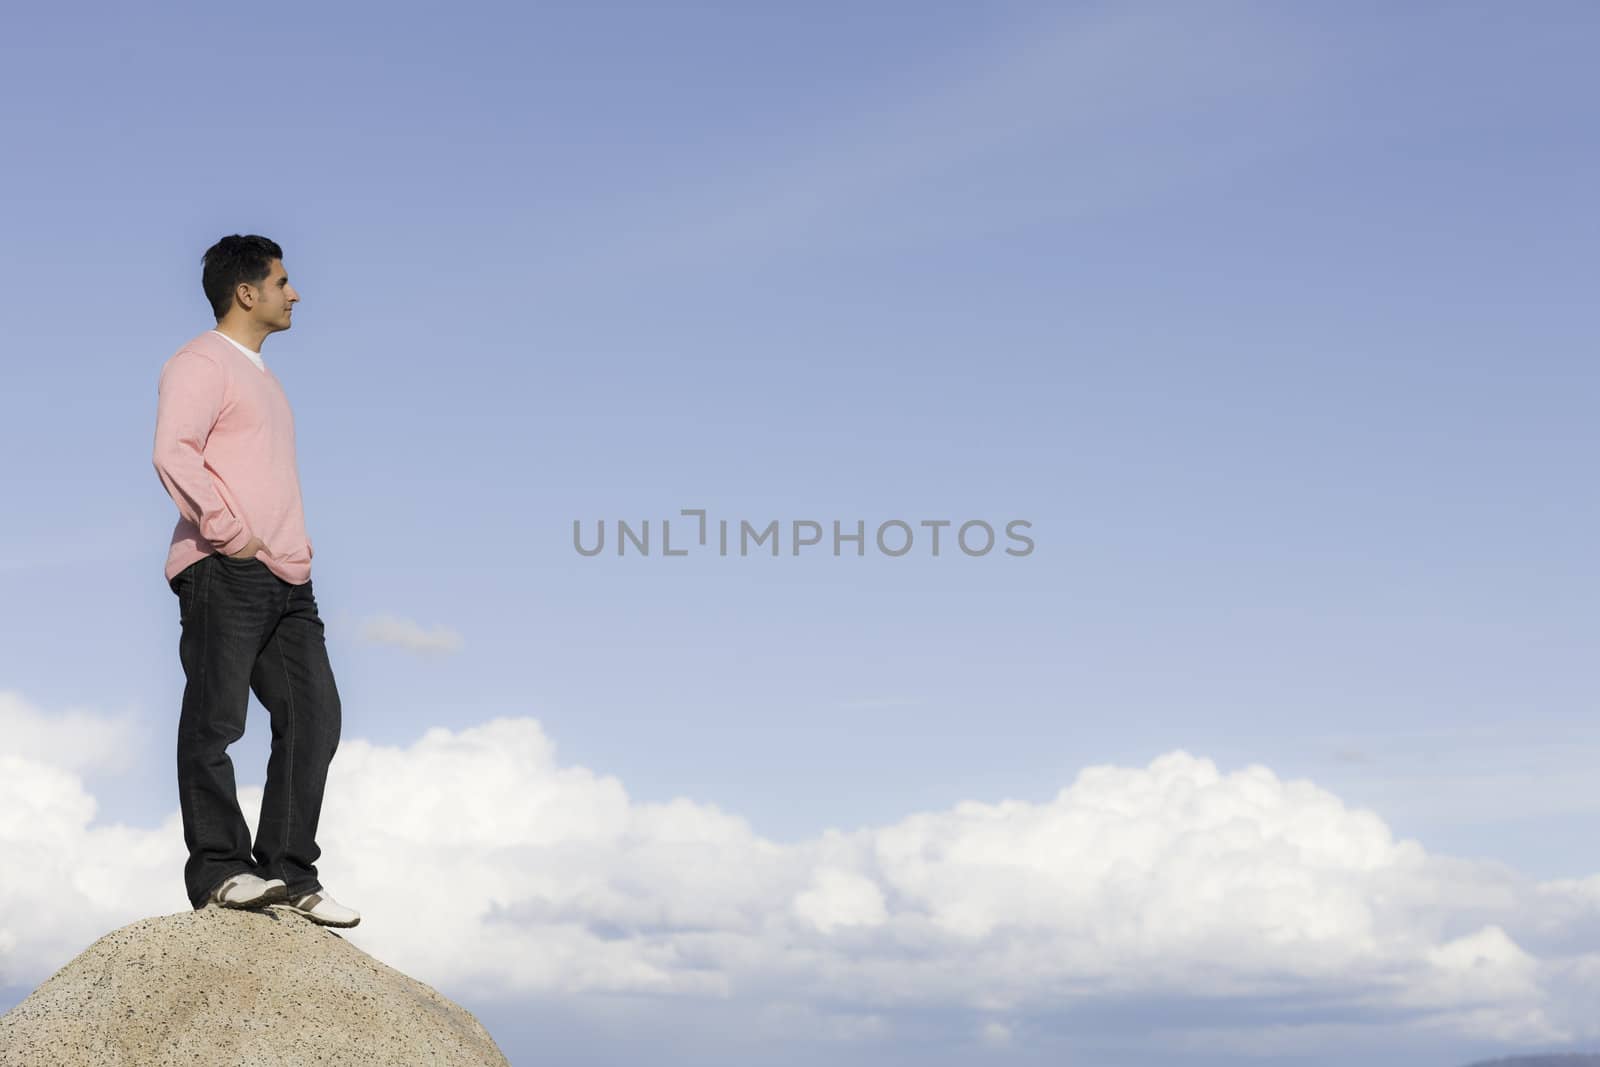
245, 890
320, 908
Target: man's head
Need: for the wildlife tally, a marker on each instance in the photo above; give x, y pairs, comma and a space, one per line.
244, 279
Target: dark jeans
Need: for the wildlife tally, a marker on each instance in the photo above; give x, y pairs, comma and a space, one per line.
244, 629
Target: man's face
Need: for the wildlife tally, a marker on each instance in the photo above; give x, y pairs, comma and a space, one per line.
274, 299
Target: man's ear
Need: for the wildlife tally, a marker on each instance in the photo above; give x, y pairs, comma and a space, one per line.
243, 294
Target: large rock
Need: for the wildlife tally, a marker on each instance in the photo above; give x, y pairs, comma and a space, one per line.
224, 986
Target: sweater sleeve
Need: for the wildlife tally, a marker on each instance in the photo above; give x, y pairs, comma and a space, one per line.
191, 392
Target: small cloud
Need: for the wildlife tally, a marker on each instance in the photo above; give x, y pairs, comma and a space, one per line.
996, 1033
393, 630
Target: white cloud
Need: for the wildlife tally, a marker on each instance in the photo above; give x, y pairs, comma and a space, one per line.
64, 881
483, 864
838, 898
404, 633
73, 739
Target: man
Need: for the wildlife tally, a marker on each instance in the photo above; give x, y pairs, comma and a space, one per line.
240, 564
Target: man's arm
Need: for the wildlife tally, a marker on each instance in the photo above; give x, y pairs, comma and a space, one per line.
191, 391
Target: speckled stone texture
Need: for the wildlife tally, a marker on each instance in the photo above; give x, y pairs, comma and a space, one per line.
231, 987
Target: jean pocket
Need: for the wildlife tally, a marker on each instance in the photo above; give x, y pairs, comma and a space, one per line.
183, 584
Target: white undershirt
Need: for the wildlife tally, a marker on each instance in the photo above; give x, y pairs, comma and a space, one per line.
255, 357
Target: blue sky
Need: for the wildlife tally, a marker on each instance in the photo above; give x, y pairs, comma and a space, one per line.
1274, 322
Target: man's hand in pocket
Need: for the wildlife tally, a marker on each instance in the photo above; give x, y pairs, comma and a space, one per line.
250, 549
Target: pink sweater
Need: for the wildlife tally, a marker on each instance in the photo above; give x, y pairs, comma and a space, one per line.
224, 449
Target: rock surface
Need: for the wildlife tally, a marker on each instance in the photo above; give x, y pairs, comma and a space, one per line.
224, 987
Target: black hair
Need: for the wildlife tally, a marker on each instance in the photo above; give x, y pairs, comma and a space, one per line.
234, 260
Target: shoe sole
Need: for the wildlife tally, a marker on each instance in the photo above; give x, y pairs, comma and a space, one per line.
320, 922
274, 895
